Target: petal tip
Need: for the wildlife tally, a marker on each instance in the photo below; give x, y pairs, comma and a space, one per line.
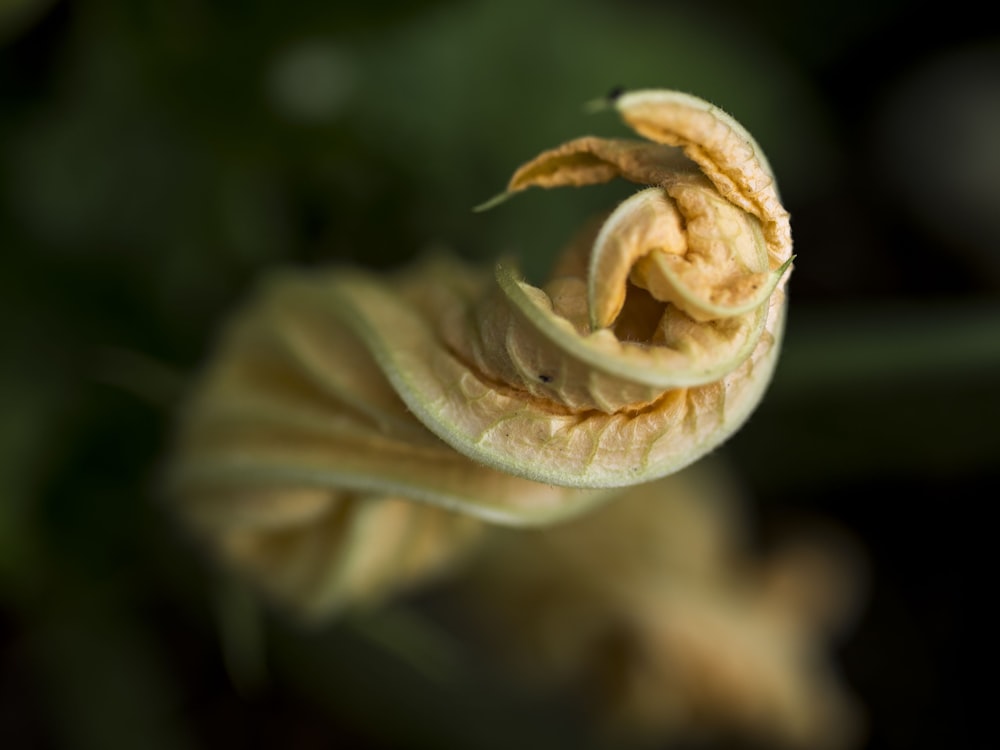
493, 202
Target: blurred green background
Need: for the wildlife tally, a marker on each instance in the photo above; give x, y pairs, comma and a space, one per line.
156, 156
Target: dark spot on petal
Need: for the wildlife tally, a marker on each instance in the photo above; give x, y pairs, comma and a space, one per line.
545, 378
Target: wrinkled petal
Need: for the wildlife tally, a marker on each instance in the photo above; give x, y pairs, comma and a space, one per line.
589, 161
726, 153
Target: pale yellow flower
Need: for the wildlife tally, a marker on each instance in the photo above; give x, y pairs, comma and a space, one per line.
353, 430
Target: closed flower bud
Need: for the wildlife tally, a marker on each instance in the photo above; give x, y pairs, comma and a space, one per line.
353, 430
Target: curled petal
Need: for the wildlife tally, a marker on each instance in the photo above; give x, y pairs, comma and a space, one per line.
589, 161
726, 153
685, 245
516, 387
647, 223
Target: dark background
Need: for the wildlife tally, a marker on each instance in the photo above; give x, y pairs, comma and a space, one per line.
156, 156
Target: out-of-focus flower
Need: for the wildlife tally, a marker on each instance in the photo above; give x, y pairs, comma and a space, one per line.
654, 607
353, 430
